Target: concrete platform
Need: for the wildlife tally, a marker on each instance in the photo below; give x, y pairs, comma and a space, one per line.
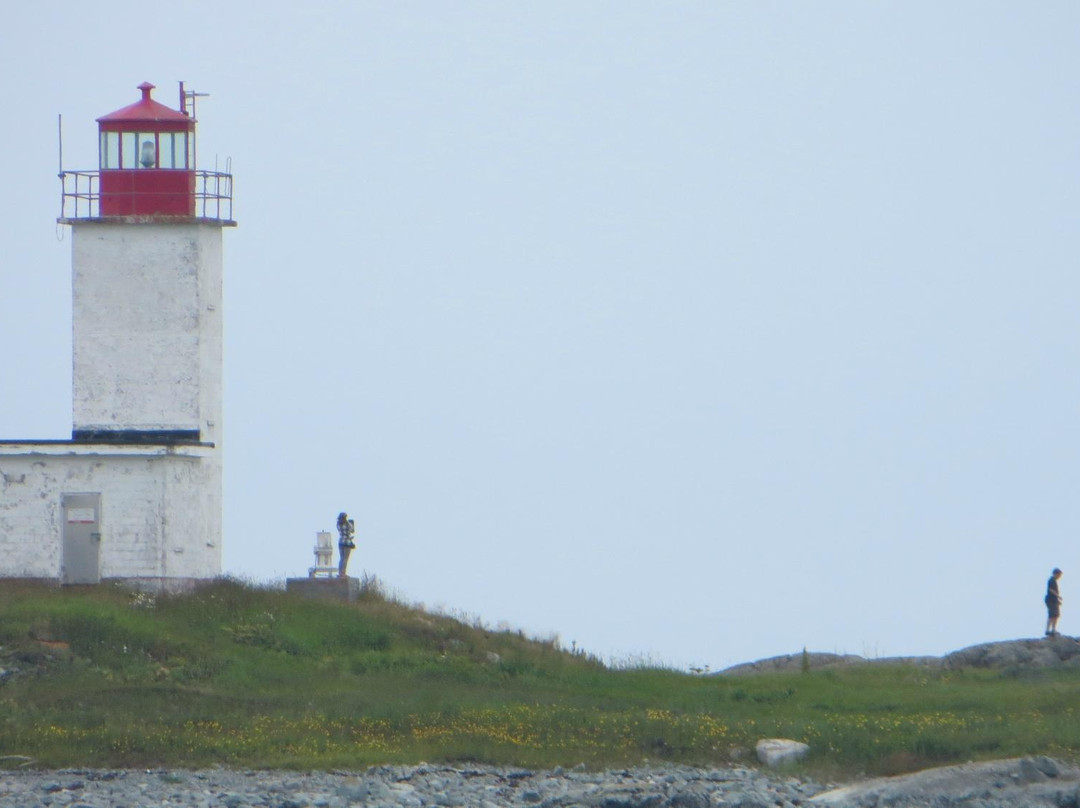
343, 589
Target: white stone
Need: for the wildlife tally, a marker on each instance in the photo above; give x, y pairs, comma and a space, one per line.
777, 752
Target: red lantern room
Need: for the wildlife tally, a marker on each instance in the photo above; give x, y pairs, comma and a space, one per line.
147, 160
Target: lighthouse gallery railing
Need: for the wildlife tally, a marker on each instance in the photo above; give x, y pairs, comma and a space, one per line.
81, 195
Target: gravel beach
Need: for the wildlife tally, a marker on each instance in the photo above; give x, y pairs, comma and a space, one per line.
408, 786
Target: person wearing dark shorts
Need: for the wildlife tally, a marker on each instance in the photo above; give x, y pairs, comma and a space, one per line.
1053, 603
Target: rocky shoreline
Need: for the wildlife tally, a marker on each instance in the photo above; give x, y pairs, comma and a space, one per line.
1022, 783
405, 786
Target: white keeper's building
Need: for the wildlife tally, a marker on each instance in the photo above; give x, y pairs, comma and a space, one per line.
135, 493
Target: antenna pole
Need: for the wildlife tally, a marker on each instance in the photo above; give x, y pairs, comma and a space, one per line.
60, 141
191, 95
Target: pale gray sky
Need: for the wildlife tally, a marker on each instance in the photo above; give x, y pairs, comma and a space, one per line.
701, 331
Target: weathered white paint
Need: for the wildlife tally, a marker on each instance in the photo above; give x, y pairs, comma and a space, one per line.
146, 326
147, 344
160, 508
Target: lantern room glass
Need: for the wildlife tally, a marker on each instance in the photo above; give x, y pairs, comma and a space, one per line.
137, 150
110, 150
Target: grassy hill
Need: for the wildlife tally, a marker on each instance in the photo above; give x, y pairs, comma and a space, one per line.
250, 677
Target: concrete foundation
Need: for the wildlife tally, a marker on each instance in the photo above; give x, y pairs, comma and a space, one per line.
343, 589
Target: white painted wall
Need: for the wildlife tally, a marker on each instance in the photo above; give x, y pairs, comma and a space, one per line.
147, 343
147, 328
160, 508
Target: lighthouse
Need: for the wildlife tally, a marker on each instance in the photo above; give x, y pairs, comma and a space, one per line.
135, 493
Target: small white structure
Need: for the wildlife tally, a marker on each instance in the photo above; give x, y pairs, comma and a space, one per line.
324, 556
135, 494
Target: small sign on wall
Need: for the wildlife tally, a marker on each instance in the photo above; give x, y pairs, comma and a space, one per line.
80, 516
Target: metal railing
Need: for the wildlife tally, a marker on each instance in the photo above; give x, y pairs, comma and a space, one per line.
81, 195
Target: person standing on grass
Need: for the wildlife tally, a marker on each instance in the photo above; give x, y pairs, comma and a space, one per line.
1053, 603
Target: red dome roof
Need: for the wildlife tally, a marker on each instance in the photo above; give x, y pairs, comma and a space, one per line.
146, 109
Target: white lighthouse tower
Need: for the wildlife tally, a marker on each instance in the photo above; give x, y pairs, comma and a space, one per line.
135, 493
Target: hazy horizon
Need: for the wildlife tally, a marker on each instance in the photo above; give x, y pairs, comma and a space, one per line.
700, 332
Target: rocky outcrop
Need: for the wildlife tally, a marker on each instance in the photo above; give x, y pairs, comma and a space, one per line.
1018, 783
1047, 652
793, 663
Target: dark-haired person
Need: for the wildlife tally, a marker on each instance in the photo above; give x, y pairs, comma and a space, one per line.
1053, 603
346, 529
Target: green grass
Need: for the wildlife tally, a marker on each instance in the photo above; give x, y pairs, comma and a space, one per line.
249, 677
